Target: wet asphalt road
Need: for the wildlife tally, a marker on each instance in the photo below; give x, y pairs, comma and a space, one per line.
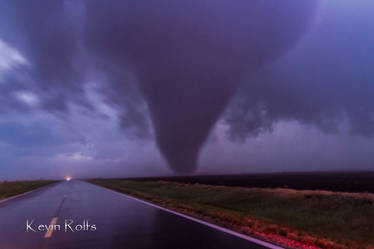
120, 222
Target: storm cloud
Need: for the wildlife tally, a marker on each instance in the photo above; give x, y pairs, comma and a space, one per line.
326, 81
170, 70
188, 57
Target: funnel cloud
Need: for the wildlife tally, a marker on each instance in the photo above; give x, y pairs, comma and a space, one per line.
189, 57
176, 87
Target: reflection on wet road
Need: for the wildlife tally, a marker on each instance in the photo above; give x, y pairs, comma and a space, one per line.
79, 215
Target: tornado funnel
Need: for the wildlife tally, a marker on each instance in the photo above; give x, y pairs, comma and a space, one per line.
189, 57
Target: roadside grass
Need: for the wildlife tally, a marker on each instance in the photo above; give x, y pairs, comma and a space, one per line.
291, 218
11, 188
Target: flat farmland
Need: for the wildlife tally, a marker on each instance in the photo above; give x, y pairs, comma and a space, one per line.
359, 182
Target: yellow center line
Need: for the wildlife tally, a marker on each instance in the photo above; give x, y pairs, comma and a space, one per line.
48, 234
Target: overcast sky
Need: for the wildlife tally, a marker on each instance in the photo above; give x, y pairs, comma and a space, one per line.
102, 89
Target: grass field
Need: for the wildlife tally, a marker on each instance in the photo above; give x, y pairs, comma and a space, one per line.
292, 218
339, 181
8, 189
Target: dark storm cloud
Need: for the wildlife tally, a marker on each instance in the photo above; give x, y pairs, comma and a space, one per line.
43, 32
10, 84
328, 79
180, 63
49, 34
123, 95
189, 56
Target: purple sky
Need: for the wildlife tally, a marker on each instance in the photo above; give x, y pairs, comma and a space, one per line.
99, 91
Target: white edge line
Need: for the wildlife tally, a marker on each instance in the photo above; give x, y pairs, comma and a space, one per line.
25, 193
222, 229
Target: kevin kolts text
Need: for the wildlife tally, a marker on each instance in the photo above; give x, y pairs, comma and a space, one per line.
68, 225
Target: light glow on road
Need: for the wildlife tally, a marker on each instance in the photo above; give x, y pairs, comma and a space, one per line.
68, 178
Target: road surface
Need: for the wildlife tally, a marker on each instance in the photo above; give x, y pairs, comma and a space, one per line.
106, 220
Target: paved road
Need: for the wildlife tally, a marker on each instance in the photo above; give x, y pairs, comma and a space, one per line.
121, 222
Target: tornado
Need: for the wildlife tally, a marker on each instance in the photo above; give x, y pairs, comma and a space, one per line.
189, 57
